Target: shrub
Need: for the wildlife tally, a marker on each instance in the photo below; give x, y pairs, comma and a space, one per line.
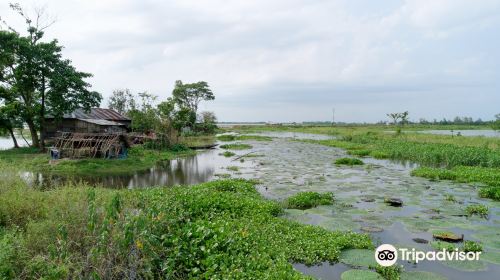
349, 161
305, 200
490, 192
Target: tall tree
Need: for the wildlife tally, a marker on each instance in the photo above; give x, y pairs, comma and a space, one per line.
190, 95
122, 101
43, 82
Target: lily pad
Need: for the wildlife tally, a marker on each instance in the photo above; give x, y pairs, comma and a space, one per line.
421, 275
358, 274
358, 257
491, 257
466, 265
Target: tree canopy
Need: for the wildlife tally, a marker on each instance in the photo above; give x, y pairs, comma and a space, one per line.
39, 79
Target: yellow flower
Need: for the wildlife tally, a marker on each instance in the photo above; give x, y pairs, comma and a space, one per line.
139, 244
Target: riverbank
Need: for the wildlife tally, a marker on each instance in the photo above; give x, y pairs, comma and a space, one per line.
139, 158
222, 229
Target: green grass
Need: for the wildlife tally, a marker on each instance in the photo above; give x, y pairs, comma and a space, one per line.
490, 192
254, 137
477, 209
138, 159
217, 230
233, 168
226, 137
197, 141
349, 161
306, 200
236, 146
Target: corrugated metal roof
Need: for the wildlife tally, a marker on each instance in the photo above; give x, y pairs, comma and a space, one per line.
96, 114
101, 122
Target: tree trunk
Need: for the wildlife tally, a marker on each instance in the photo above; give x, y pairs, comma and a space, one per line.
11, 131
33, 132
42, 118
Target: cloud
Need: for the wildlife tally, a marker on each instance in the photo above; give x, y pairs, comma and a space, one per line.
264, 57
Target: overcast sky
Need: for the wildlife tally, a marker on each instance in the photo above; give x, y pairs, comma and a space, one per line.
291, 60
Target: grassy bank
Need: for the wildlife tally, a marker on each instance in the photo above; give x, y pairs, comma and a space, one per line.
138, 159
222, 230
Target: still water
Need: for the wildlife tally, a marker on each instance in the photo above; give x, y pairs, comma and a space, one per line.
479, 132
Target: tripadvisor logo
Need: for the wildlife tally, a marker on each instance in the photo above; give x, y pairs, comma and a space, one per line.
387, 255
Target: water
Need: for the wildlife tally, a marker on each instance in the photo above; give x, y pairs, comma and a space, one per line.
287, 167
482, 132
6, 142
203, 167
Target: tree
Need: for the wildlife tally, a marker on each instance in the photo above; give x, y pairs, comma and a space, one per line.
10, 120
122, 101
42, 81
399, 118
190, 95
496, 124
207, 122
144, 116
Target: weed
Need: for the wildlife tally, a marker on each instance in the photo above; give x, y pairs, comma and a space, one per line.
392, 272
227, 154
477, 209
233, 168
349, 161
472, 246
306, 200
226, 137
236, 146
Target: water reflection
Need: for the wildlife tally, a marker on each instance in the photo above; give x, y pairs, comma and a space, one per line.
185, 171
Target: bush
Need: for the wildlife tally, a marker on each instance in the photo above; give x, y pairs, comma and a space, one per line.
306, 200
349, 161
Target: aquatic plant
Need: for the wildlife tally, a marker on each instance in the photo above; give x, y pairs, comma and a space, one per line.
392, 272
349, 161
227, 154
236, 146
233, 168
221, 229
226, 137
306, 200
472, 246
254, 137
490, 192
359, 274
450, 197
360, 153
477, 209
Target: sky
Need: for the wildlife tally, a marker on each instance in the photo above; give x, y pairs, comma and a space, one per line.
290, 60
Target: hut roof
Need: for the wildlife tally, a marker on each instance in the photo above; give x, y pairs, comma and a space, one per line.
95, 114
102, 122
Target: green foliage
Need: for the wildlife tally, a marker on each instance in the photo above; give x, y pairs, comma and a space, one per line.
490, 192
233, 168
349, 161
358, 274
236, 146
226, 137
227, 154
472, 246
392, 272
477, 209
450, 197
306, 200
254, 137
218, 230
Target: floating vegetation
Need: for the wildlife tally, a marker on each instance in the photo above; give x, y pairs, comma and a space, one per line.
358, 258
477, 209
254, 137
233, 168
421, 275
359, 274
440, 245
306, 200
450, 197
392, 272
226, 137
223, 175
472, 246
236, 146
359, 153
227, 154
490, 192
349, 161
